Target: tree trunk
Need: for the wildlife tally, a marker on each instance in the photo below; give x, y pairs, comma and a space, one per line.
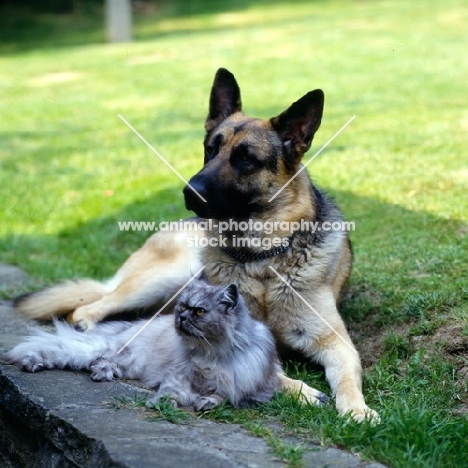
119, 20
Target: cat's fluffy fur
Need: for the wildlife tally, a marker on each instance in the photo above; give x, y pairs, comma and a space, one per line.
213, 350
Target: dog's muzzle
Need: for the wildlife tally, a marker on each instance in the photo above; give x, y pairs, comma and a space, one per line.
195, 195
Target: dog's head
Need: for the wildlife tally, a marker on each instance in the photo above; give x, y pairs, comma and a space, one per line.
247, 161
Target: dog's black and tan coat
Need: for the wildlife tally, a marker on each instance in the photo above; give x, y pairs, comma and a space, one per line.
247, 162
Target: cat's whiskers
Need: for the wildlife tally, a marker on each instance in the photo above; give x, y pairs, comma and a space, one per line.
200, 336
206, 340
197, 340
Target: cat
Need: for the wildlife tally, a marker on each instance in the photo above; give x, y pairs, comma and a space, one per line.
209, 351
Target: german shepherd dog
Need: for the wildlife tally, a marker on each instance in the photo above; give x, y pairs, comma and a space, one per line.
291, 280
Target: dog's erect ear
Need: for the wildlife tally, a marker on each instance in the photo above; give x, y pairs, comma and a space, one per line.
230, 295
297, 125
225, 99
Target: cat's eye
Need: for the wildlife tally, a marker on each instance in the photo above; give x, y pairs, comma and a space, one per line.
200, 312
182, 307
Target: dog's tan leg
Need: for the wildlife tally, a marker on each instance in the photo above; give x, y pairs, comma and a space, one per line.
121, 300
336, 352
343, 372
150, 277
321, 335
306, 394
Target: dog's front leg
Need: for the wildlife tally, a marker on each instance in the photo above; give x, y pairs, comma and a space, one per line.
343, 372
318, 332
333, 348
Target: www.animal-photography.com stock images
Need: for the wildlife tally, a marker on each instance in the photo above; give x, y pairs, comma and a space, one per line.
233, 234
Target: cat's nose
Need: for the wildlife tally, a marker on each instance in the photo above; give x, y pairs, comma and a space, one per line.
183, 317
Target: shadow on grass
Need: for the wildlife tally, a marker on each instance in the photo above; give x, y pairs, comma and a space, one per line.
397, 251
24, 29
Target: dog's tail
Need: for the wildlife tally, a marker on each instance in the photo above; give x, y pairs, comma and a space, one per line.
60, 299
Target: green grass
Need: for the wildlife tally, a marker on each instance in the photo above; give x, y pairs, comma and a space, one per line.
70, 169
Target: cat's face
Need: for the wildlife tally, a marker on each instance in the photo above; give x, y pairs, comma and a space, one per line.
206, 312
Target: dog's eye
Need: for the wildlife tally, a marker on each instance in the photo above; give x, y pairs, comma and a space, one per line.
210, 152
182, 307
212, 148
200, 312
241, 154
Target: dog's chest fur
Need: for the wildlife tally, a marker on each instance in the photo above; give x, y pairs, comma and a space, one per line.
268, 298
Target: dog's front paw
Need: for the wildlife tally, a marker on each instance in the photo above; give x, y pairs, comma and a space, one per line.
363, 414
311, 396
305, 393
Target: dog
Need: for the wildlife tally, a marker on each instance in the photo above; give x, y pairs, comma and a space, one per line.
290, 278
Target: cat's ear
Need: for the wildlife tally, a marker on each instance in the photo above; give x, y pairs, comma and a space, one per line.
230, 295
202, 277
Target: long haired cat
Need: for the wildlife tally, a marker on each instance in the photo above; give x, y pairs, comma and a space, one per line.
213, 350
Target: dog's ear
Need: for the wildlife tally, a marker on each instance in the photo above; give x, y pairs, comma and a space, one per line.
297, 125
225, 99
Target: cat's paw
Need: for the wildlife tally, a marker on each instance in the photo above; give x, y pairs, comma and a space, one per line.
104, 370
206, 403
29, 362
154, 402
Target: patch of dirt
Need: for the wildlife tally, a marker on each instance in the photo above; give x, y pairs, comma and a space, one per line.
451, 339
370, 342
447, 338
370, 347
462, 383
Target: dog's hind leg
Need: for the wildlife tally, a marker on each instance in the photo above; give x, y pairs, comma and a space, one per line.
149, 278
137, 292
60, 299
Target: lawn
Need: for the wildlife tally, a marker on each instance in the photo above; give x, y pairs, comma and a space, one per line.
70, 169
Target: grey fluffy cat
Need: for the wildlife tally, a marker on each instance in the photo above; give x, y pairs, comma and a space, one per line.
214, 350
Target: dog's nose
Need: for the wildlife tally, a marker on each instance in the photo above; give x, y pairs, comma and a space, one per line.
195, 193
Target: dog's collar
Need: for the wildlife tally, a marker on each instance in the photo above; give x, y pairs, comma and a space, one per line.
245, 256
